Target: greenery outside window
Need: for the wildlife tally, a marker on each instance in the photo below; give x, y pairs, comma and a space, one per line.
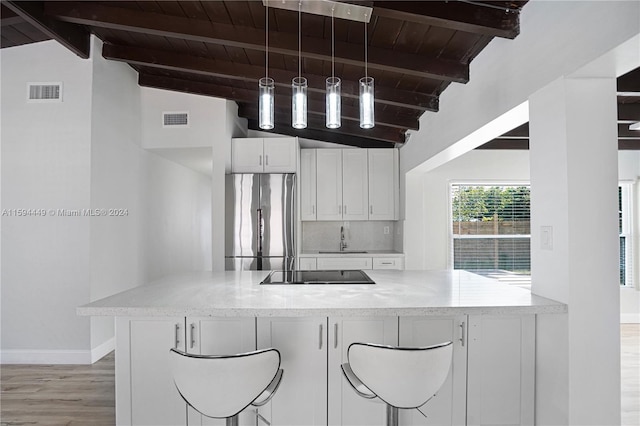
491, 230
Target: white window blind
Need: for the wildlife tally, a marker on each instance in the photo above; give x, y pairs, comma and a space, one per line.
490, 228
625, 227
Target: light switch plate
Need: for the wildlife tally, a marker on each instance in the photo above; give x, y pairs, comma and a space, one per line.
546, 237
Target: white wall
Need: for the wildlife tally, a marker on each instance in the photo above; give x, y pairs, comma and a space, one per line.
46, 153
85, 152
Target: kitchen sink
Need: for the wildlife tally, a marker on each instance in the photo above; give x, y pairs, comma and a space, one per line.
342, 252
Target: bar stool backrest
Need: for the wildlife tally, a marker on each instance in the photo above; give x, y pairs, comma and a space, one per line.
222, 386
401, 377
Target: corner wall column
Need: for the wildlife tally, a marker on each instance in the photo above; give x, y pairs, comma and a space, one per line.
575, 250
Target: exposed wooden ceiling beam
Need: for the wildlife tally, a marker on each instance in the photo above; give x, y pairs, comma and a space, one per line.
322, 135
630, 82
117, 18
73, 37
380, 133
506, 143
211, 67
315, 107
624, 132
454, 15
8, 16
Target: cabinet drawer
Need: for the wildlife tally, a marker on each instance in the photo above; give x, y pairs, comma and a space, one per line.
388, 263
344, 263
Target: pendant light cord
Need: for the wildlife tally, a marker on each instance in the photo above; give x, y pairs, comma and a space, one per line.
366, 48
333, 46
299, 38
266, 50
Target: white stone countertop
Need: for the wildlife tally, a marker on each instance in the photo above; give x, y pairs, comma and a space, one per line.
396, 293
347, 253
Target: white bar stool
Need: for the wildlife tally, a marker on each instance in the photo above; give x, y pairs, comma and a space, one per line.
401, 377
222, 386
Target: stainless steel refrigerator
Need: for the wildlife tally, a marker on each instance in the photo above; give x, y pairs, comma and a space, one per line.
260, 221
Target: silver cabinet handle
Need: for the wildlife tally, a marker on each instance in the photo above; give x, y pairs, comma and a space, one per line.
462, 333
335, 335
266, 160
371, 209
320, 344
192, 335
177, 336
387, 263
259, 160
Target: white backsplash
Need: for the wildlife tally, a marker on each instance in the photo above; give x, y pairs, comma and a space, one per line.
367, 235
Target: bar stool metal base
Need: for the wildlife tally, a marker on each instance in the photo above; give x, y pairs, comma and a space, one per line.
392, 415
232, 421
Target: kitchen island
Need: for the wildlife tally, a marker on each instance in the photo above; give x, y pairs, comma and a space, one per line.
492, 326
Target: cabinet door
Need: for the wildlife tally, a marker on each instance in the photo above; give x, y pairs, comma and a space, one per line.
146, 394
308, 184
448, 406
334, 263
345, 406
329, 184
280, 155
246, 155
302, 396
307, 263
355, 185
221, 336
501, 370
383, 184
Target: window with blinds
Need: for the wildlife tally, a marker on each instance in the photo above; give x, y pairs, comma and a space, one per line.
625, 229
491, 229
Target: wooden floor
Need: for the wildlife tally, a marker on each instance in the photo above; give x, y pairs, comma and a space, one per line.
81, 395
73, 395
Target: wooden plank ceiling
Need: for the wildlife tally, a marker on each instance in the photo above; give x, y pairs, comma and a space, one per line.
628, 113
217, 48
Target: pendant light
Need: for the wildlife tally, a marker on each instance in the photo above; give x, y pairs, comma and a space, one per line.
333, 88
266, 85
299, 86
367, 120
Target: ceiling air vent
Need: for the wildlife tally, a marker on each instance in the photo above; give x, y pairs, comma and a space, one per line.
175, 119
44, 92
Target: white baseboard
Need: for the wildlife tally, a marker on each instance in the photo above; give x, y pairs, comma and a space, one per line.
35, 356
98, 352
630, 318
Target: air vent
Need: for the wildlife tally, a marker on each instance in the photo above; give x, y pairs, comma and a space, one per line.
44, 92
175, 119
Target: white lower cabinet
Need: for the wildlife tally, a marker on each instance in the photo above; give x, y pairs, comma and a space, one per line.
307, 264
301, 398
449, 405
145, 392
501, 376
345, 406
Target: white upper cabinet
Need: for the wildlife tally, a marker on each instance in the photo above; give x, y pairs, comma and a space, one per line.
383, 184
329, 184
349, 184
308, 184
264, 155
355, 183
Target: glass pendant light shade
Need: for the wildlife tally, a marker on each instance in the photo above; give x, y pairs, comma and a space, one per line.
333, 103
367, 119
299, 103
266, 103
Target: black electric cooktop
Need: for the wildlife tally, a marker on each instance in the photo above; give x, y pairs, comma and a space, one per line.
318, 277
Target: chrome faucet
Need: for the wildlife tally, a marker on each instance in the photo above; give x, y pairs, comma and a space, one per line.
343, 244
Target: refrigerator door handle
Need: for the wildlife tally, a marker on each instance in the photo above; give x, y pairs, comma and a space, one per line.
260, 229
